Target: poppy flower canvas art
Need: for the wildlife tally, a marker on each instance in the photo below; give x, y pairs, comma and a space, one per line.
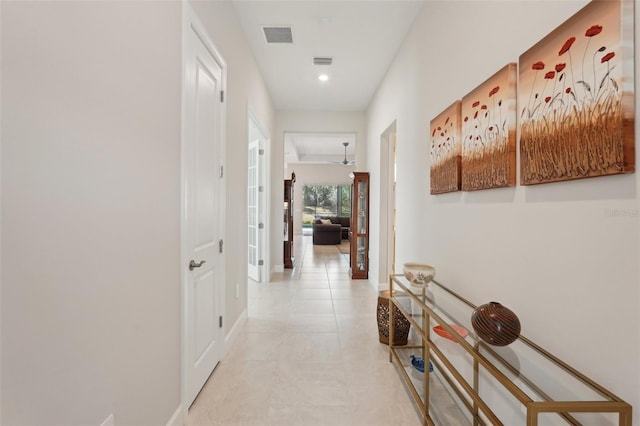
446, 150
575, 97
489, 132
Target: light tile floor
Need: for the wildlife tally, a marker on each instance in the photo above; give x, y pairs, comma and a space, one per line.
308, 355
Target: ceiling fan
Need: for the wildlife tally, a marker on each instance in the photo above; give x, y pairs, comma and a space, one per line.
345, 161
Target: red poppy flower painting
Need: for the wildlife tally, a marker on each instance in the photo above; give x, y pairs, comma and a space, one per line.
576, 119
489, 139
445, 152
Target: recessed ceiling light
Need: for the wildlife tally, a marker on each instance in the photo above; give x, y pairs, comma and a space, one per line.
323, 77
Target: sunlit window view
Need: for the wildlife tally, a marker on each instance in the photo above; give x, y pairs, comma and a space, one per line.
324, 201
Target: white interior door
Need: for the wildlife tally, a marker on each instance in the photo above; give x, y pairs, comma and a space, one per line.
253, 213
204, 212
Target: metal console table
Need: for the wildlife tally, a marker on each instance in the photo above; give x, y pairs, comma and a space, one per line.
518, 384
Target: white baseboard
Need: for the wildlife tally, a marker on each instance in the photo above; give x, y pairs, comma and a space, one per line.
278, 268
179, 418
232, 335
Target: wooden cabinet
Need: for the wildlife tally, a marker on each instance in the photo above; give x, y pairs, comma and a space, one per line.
359, 233
289, 259
474, 383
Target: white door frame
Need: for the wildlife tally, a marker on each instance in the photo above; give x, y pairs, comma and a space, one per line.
264, 196
386, 261
191, 24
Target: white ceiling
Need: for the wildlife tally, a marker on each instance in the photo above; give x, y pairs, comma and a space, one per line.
362, 37
318, 148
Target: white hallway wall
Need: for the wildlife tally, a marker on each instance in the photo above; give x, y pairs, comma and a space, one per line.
91, 95
549, 252
91, 111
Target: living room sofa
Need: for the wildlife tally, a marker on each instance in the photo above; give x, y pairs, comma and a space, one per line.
326, 233
333, 232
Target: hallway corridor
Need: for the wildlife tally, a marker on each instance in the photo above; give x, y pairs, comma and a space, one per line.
308, 355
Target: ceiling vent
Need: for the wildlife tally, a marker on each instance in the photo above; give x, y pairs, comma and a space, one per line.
278, 34
322, 60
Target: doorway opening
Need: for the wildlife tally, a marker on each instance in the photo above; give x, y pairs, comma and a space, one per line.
322, 162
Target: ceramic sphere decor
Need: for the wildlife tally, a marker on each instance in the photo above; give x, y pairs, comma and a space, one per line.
419, 274
495, 324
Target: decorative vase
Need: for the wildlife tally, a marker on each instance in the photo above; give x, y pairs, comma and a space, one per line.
418, 274
495, 324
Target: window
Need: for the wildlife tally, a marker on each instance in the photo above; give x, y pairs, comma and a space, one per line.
325, 200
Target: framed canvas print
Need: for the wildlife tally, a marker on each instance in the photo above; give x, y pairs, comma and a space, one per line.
489, 132
575, 101
446, 150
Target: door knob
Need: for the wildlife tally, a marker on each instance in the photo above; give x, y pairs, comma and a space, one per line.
193, 264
